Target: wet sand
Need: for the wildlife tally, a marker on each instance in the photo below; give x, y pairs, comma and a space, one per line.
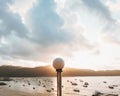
71, 87
9, 92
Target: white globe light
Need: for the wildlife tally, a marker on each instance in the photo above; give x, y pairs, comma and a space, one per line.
58, 63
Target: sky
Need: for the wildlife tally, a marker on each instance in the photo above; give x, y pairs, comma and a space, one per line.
85, 33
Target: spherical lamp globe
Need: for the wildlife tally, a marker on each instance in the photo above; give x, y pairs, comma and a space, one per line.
58, 63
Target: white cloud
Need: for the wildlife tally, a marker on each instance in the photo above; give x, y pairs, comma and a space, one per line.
113, 6
21, 6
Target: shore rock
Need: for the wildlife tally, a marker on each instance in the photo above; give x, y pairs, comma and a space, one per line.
2, 84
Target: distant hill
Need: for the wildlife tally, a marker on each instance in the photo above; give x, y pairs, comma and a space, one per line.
16, 71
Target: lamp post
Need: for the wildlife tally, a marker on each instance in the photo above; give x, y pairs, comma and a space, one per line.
58, 64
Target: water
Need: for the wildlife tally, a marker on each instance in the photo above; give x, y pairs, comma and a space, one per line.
72, 86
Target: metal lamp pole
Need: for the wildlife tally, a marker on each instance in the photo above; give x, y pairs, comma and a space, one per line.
58, 64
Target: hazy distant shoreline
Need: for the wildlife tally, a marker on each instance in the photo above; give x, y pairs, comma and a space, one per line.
48, 71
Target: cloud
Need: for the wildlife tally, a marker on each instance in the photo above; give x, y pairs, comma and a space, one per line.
111, 33
100, 14
10, 22
112, 27
34, 39
44, 30
45, 24
71, 12
113, 5
99, 8
12, 32
94, 6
